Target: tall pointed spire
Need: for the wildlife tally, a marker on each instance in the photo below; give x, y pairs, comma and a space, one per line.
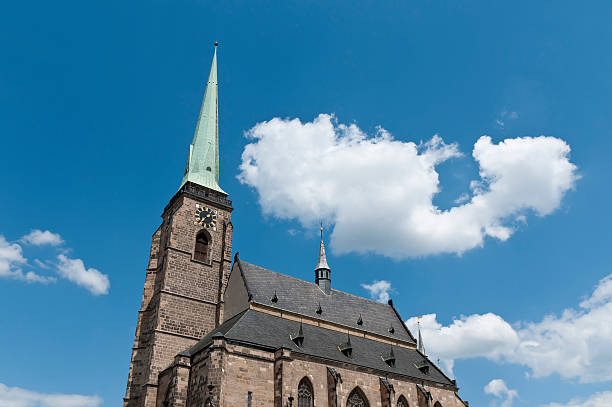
202, 166
322, 271
421, 346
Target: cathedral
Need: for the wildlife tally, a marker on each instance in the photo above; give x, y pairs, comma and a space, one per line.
216, 330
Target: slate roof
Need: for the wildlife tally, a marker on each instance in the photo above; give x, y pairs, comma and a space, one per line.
270, 332
303, 297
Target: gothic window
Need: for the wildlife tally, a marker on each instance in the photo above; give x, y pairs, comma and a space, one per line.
305, 393
357, 399
437, 404
201, 247
402, 402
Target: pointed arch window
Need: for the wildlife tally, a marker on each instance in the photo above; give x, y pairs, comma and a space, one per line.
305, 393
437, 404
357, 399
402, 402
202, 247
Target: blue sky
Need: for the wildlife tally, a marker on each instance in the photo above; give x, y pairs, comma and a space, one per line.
98, 103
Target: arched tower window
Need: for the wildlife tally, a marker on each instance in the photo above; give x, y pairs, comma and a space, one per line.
202, 246
437, 404
357, 399
402, 402
305, 393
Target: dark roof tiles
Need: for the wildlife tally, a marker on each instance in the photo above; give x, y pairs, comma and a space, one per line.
268, 331
303, 297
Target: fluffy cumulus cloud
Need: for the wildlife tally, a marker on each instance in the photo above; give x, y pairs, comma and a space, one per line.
575, 344
18, 397
12, 263
379, 290
499, 390
39, 237
322, 169
602, 399
89, 278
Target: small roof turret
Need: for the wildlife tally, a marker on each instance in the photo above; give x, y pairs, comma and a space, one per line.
322, 271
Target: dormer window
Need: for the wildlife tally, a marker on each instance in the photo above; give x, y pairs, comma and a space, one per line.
346, 348
389, 358
298, 337
423, 366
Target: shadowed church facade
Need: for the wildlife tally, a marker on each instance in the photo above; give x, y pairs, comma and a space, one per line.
218, 331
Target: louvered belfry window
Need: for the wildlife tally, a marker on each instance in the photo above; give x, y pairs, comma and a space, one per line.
201, 247
305, 394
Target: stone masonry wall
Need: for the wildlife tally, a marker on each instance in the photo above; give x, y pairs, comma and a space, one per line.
237, 370
182, 298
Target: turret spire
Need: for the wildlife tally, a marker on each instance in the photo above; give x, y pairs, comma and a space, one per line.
421, 346
202, 166
322, 264
322, 271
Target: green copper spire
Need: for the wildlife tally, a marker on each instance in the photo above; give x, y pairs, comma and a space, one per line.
202, 166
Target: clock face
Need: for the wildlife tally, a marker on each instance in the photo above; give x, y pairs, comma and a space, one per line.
206, 217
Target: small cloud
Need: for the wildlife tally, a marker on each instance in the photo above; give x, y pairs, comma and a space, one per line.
463, 198
379, 290
292, 232
504, 116
32, 277
600, 399
498, 388
41, 264
18, 397
74, 270
38, 237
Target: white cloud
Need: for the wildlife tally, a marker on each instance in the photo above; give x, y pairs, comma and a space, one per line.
379, 192
75, 271
498, 388
379, 290
602, 399
506, 115
18, 397
575, 344
38, 237
11, 262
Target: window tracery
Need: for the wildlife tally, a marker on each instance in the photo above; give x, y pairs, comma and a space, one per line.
357, 399
305, 393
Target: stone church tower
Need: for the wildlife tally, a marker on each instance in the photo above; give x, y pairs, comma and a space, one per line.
189, 262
